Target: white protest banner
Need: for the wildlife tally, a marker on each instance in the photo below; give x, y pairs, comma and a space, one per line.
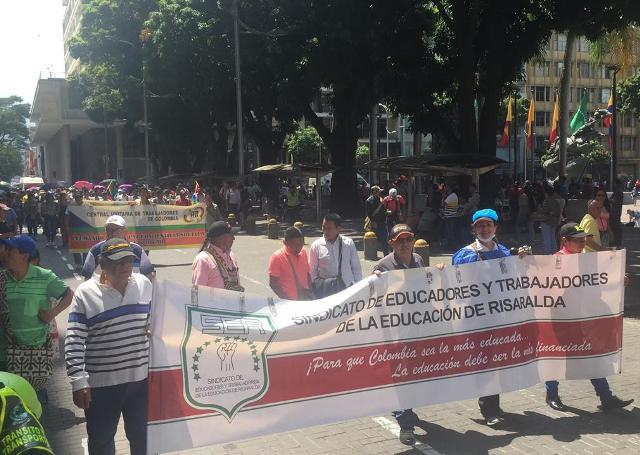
228, 366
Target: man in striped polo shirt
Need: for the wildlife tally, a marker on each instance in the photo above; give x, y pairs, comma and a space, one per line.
107, 350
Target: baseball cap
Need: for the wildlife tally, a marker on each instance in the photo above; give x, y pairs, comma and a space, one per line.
116, 220
573, 230
22, 243
115, 249
218, 228
399, 230
486, 214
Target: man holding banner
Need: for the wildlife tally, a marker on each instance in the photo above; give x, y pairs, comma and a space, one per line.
115, 227
573, 239
402, 257
484, 247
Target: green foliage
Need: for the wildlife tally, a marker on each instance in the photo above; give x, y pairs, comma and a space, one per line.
362, 154
304, 145
11, 161
13, 122
98, 86
628, 95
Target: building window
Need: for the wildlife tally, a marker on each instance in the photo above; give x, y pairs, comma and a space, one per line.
561, 41
583, 70
557, 68
627, 142
605, 93
583, 44
542, 68
627, 120
541, 93
589, 92
540, 143
604, 72
540, 118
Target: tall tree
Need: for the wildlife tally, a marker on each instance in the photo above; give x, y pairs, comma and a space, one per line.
14, 135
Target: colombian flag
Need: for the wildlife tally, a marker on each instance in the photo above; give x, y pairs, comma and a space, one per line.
608, 120
554, 120
531, 120
504, 141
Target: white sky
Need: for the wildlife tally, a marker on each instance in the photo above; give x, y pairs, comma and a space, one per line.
30, 44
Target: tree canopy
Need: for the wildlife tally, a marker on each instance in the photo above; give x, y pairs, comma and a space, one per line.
14, 135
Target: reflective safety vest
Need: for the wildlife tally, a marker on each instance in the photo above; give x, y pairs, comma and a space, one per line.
20, 431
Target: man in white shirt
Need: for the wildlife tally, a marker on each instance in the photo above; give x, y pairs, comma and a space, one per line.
333, 256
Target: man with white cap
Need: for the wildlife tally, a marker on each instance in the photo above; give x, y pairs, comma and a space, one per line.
116, 227
483, 248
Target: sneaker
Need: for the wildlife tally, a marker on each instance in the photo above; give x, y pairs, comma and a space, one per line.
412, 417
407, 437
614, 403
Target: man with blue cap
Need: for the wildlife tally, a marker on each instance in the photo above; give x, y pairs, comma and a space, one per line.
483, 248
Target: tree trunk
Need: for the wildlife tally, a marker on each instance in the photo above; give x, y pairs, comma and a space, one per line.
565, 81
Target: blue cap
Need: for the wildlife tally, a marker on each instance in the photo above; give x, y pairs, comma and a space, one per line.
488, 214
22, 243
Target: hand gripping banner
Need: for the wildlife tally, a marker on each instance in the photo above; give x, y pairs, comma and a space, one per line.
228, 366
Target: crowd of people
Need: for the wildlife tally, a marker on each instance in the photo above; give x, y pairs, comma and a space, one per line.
109, 311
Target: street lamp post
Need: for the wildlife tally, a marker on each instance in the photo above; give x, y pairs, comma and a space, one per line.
236, 42
614, 128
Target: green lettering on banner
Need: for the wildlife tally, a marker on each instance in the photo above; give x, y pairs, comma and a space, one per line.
20, 430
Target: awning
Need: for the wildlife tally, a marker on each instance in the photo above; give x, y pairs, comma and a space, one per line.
440, 165
295, 170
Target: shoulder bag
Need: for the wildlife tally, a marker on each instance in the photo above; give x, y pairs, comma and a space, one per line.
324, 287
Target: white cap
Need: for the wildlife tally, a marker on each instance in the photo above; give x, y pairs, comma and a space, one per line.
116, 220
393, 192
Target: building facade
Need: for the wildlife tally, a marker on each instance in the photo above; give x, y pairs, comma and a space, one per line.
542, 80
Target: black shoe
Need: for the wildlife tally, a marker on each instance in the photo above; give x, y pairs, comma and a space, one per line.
494, 420
407, 437
555, 403
412, 417
614, 403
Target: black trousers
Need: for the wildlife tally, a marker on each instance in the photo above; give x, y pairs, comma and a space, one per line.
107, 403
489, 406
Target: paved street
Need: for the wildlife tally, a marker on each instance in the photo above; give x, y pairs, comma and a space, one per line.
453, 428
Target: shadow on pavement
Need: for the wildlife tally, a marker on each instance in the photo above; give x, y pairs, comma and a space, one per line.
563, 429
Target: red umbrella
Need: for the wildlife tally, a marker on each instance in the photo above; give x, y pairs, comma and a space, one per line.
83, 185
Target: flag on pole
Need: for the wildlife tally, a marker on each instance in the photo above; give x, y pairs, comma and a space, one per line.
608, 120
554, 120
531, 120
580, 117
196, 192
504, 141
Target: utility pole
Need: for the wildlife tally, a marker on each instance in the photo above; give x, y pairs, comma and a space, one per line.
236, 39
614, 128
515, 137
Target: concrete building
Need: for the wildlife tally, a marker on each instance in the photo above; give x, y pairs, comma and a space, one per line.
542, 79
71, 146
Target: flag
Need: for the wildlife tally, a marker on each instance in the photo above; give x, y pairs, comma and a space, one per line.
580, 117
608, 120
531, 120
504, 141
196, 192
554, 120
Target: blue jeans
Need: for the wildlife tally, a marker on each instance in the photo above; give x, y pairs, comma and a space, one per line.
404, 418
51, 227
107, 403
549, 238
382, 236
601, 386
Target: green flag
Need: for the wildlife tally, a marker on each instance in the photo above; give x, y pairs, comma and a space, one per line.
580, 118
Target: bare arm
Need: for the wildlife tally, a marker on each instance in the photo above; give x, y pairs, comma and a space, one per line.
274, 282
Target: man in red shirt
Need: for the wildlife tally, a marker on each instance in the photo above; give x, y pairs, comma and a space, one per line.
289, 268
572, 241
394, 205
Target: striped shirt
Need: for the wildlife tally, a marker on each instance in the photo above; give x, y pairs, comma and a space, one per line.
106, 342
141, 264
451, 206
